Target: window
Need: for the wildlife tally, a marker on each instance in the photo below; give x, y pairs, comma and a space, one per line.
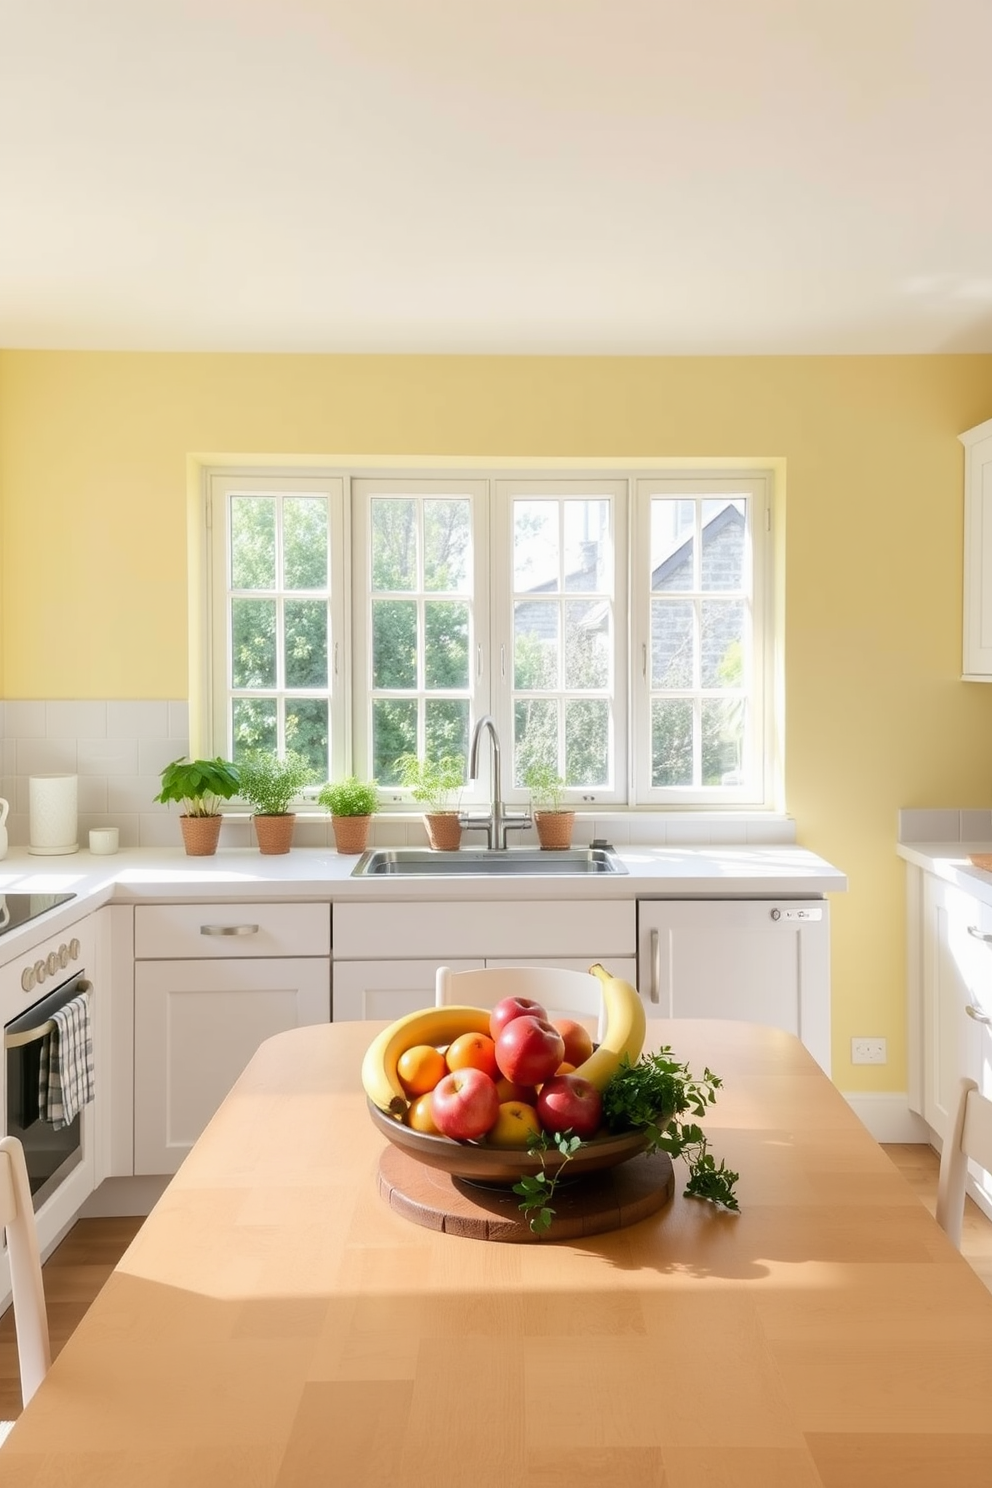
502, 595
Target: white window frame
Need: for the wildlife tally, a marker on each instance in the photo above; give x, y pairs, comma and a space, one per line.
558, 487
221, 486
364, 488
757, 486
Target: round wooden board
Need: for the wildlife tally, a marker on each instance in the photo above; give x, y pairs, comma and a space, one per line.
607, 1200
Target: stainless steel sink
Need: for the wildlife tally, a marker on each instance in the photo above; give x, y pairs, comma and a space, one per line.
522, 862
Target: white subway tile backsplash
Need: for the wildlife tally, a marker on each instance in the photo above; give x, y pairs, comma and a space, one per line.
46, 756
155, 754
925, 825
132, 792
138, 720
179, 722
107, 757
24, 720
91, 795
75, 720
976, 826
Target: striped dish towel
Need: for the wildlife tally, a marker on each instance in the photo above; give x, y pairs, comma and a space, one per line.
65, 1080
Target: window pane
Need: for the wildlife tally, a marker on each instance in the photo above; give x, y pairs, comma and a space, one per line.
394, 732
253, 643
723, 722
535, 546
723, 544
305, 542
587, 741
394, 643
306, 643
588, 555
394, 542
588, 645
447, 546
671, 742
255, 727
535, 645
446, 728
535, 736
672, 643
673, 528
446, 644
307, 733
253, 542
721, 643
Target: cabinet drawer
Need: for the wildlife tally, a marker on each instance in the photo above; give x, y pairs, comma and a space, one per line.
169, 932
545, 928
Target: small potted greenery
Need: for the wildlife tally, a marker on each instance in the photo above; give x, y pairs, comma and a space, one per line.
438, 785
352, 804
199, 786
268, 784
553, 821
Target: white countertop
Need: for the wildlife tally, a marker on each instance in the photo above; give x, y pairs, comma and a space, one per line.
243, 875
949, 860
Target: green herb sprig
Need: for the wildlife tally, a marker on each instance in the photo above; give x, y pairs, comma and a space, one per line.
651, 1096
537, 1190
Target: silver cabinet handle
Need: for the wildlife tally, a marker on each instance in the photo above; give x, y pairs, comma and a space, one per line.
977, 1014
655, 966
976, 934
228, 929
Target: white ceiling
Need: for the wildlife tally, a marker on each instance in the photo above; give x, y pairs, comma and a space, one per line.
536, 176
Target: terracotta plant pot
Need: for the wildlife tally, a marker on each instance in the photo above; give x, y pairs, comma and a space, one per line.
200, 834
351, 833
444, 831
275, 833
554, 829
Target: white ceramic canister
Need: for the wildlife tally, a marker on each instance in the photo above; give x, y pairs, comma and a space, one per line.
53, 819
4, 808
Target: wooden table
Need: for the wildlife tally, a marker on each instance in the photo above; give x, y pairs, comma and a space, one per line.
274, 1323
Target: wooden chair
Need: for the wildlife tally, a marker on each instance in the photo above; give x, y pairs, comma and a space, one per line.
565, 994
34, 1353
969, 1137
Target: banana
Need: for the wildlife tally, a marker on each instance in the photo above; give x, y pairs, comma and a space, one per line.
625, 1029
436, 1025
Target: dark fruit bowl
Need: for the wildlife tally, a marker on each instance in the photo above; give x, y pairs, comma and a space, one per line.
505, 1165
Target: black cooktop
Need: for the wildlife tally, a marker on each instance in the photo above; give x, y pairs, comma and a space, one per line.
17, 909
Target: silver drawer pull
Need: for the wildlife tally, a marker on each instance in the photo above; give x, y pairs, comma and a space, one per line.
976, 934
977, 1014
228, 929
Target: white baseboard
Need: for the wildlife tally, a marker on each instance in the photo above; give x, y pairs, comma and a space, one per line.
887, 1116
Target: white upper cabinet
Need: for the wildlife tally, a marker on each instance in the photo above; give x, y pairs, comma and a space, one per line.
978, 553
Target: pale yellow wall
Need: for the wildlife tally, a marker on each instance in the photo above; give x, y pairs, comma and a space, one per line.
93, 469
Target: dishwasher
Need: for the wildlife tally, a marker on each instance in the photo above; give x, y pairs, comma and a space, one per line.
758, 960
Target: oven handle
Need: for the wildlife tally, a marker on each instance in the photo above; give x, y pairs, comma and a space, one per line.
28, 1036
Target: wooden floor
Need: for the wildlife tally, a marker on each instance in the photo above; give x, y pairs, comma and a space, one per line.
80, 1266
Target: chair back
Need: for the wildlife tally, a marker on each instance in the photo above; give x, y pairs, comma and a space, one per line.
565, 994
34, 1354
969, 1137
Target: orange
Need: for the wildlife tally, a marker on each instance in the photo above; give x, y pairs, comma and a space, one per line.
420, 1116
473, 1051
420, 1068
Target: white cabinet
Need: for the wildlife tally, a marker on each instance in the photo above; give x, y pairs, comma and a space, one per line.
760, 961
978, 553
209, 987
386, 955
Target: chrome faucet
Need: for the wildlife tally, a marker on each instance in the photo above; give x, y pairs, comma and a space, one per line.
498, 822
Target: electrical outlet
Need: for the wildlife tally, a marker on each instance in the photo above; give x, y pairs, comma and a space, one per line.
868, 1051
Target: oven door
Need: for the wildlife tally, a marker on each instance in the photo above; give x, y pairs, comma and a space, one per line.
51, 1153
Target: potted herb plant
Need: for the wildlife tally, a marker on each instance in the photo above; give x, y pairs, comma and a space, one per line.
199, 786
352, 804
553, 821
268, 784
437, 784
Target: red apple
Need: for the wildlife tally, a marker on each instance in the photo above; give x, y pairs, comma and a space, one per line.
529, 1050
465, 1104
578, 1041
513, 1007
570, 1103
